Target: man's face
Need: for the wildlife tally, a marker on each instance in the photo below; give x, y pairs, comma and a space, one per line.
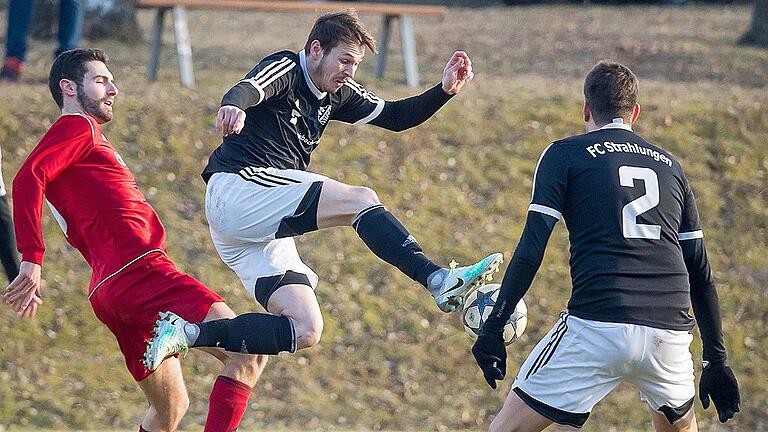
338, 65
97, 92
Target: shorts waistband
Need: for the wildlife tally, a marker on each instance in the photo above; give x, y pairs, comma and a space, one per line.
123, 268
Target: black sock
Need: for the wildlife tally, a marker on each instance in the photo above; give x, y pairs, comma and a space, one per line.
386, 237
251, 333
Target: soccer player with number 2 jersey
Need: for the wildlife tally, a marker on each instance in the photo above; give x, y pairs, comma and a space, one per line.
638, 263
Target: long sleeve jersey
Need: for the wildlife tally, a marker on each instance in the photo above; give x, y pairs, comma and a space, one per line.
636, 242
286, 114
92, 195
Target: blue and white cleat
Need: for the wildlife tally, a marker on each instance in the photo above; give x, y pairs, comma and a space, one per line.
168, 340
460, 281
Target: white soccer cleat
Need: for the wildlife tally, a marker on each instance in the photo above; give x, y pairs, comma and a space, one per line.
168, 340
460, 281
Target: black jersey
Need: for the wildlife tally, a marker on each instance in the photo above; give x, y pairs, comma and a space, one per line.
627, 205
286, 115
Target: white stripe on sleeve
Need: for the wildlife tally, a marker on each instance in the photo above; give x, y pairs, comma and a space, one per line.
536, 171
267, 75
360, 90
267, 81
690, 235
375, 113
549, 211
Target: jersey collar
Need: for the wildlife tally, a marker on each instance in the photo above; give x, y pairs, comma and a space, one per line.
617, 123
312, 87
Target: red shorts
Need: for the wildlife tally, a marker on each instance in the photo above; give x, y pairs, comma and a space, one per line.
129, 304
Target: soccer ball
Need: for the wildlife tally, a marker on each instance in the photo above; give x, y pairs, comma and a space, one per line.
478, 306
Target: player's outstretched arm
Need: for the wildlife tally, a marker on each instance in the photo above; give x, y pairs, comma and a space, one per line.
406, 113
457, 73
23, 293
409, 112
489, 349
718, 381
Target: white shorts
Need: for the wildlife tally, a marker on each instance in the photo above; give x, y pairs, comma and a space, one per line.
580, 361
253, 216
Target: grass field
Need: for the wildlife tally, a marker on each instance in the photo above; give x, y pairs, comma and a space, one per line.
461, 182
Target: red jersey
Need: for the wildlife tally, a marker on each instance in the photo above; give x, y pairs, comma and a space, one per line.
92, 195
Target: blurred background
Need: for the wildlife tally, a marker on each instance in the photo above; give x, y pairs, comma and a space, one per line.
388, 359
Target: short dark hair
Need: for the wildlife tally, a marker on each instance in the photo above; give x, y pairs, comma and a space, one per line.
337, 27
610, 90
71, 65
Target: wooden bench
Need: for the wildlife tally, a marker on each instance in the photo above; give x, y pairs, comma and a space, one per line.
389, 11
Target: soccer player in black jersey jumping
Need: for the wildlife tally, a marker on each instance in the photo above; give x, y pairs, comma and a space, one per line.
259, 194
638, 262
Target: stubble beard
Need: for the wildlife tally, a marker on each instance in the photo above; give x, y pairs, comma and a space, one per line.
93, 107
326, 77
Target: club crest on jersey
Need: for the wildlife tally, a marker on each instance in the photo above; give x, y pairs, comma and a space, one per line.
295, 113
120, 159
323, 114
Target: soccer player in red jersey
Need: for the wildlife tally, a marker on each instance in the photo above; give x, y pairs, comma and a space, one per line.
95, 199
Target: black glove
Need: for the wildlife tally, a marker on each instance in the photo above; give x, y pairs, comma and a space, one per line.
491, 355
718, 382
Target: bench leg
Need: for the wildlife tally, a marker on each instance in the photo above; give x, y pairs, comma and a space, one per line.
409, 52
156, 45
183, 46
381, 58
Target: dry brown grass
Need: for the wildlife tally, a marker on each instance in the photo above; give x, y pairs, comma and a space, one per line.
388, 360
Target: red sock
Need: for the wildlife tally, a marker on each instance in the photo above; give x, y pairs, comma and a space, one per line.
229, 399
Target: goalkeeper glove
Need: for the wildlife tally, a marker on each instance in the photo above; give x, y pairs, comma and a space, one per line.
491, 355
719, 383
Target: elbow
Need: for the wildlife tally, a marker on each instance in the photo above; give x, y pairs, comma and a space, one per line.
528, 262
396, 122
394, 126
700, 288
19, 179
26, 177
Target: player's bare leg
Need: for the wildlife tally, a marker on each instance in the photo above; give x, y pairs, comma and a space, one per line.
687, 423
299, 303
385, 236
340, 203
167, 396
517, 416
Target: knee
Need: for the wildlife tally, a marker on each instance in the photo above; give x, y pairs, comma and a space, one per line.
169, 417
499, 427
501, 423
495, 425
365, 197
308, 333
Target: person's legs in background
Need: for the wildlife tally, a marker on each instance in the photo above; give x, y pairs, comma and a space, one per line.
71, 14
19, 17
70, 31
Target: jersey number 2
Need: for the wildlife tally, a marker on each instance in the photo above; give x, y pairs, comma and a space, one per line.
630, 212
